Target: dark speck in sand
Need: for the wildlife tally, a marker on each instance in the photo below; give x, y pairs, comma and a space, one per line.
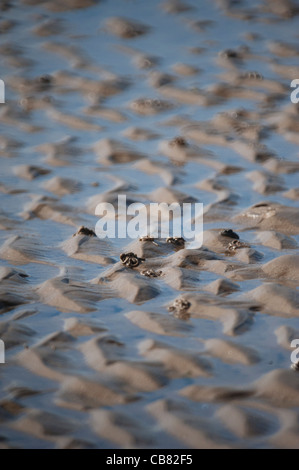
45, 79
262, 204
147, 238
229, 54
253, 75
85, 231
229, 233
125, 28
176, 241
151, 273
179, 141
130, 260
179, 304
230, 267
119, 342
236, 244
43, 82
179, 309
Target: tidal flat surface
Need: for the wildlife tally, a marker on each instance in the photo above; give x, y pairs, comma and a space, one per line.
161, 101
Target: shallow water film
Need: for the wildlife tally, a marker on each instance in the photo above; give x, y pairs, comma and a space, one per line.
149, 342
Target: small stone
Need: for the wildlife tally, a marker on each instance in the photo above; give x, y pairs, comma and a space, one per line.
253, 75
130, 260
179, 304
236, 244
179, 142
45, 79
179, 309
177, 241
85, 231
229, 233
151, 273
229, 54
147, 238
125, 28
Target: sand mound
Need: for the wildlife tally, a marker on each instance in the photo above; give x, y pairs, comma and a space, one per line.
138, 376
177, 363
139, 133
129, 285
14, 334
287, 436
276, 299
105, 354
81, 394
180, 278
102, 351
276, 240
90, 249
61, 153
77, 327
283, 267
265, 183
280, 387
222, 287
111, 152
23, 250
62, 186
125, 28
246, 422
150, 107
166, 172
108, 114
74, 122
69, 295
231, 352
285, 335
215, 394
44, 425
271, 216
121, 428
40, 362
194, 431
158, 323
45, 207
234, 316
30, 172
292, 194
153, 249
178, 149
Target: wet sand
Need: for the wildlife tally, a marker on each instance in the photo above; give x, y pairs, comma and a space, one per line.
170, 101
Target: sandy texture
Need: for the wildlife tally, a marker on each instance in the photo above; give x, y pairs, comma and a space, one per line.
121, 343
